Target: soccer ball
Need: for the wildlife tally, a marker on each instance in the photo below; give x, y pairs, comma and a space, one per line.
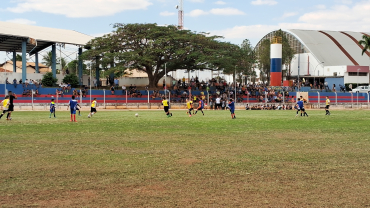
136, 114
88, 116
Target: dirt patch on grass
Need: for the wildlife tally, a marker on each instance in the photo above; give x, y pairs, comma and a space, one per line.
188, 161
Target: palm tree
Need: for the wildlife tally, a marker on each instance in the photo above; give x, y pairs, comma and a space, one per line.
365, 42
47, 59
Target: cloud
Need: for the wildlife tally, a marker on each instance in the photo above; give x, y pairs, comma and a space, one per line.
80, 8
217, 11
197, 12
321, 6
22, 21
226, 11
344, 1
166, 13
220, 2
264, 2
288, 14
336, 18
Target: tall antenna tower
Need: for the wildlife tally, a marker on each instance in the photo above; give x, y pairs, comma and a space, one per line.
180, 7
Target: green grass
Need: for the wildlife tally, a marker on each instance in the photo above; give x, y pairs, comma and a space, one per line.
260, 159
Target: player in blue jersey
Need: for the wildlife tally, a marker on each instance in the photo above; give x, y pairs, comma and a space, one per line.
232, 108
200, 106
52, 108
73, 105
297, 107
301, 107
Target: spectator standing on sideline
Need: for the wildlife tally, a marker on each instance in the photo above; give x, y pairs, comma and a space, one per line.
116, 82
112, 89
95, 83
15, 83
123, 89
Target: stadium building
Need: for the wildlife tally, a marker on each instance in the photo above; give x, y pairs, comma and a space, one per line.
331, 57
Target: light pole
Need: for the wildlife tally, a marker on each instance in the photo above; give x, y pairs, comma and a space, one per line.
314, 72
165, 77
358, 76
90, 82
235, 82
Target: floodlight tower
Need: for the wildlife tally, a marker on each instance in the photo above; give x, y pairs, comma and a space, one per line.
180, 7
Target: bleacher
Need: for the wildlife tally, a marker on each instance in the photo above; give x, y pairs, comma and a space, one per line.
45, 95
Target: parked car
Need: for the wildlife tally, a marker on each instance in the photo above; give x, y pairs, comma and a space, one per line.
361, 89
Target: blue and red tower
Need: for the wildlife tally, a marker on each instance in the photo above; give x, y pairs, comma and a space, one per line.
276, 54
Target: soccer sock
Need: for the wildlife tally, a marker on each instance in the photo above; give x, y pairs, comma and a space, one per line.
202, 112
74, 117
71, 117
196, 112
301, 114
7, 116
54, 114
50, 115
1, 115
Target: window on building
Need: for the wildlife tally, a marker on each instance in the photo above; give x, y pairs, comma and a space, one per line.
355, 74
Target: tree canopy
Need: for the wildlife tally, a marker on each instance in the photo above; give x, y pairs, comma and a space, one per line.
149, 47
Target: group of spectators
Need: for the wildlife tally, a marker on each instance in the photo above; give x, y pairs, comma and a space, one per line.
27, 92
26, 84
269, 107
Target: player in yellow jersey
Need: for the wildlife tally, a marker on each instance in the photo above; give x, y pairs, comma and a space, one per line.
166, 106
189, 105
93, 108
327, 106
5, 104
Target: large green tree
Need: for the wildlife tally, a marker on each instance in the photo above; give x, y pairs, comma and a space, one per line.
72, 67
263, 54
365, 42
148, 48
239, 60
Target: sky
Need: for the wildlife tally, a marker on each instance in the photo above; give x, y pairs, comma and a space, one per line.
235, 20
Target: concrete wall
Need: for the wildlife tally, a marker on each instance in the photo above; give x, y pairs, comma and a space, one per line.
356, 79
337, 81
18, 76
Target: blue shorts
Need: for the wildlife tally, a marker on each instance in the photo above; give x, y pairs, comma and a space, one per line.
232, 111
73, 111
52, 110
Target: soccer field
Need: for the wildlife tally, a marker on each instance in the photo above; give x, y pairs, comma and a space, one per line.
114, 159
